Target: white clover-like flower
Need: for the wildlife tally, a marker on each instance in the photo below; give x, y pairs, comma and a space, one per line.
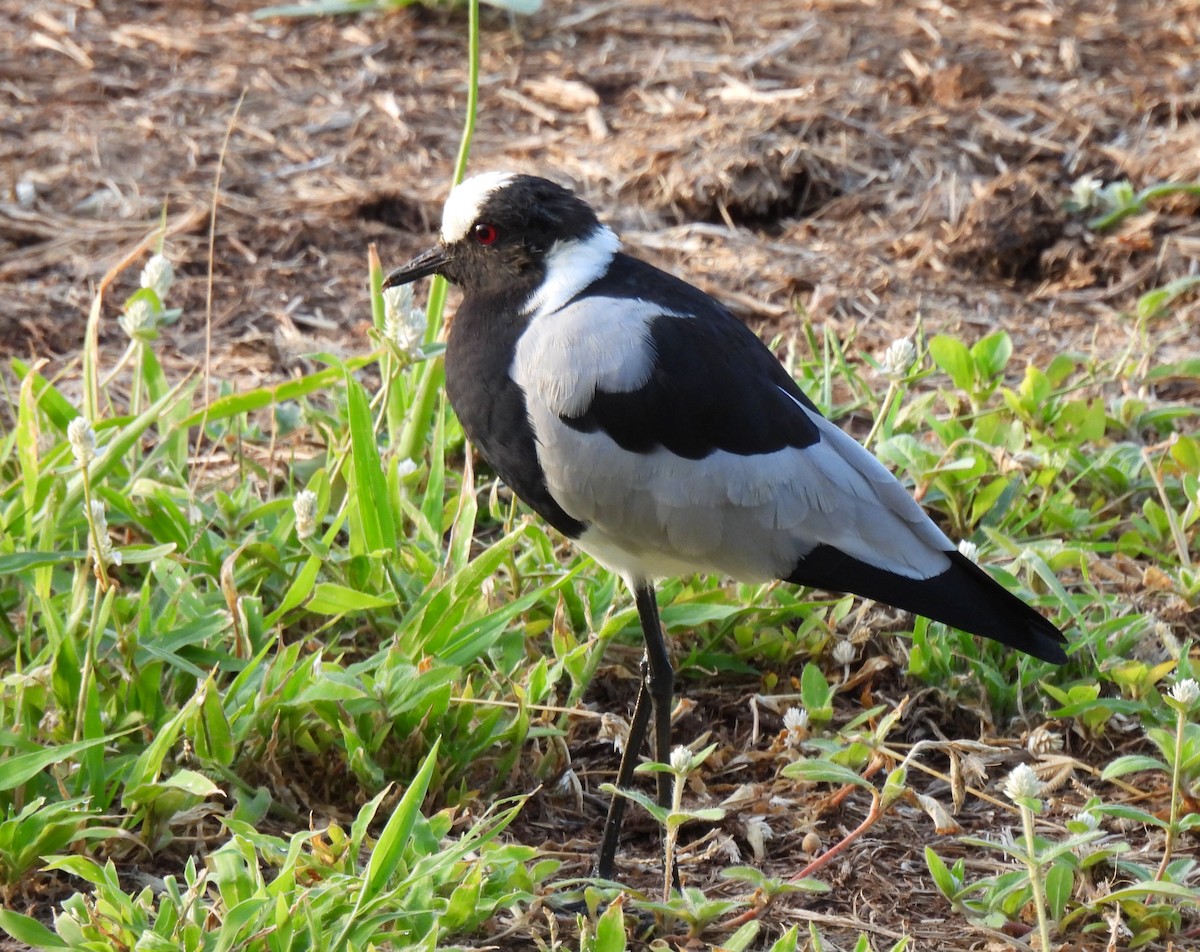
82, 438
1088, 820
406, 467
795, 722
108, 555
681, 759
25, 192
305, 508
968, 549
158, 275
844, 651
402, 323
898, 358
1185, 691
1022, 784
139, 320
1085, 192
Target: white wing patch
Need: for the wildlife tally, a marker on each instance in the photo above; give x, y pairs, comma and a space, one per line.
465, 201
749, 517
597, 343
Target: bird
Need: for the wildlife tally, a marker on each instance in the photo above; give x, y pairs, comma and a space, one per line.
641, 419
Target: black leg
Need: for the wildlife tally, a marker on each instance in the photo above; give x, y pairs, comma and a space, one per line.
656, 693
629, 760
661, 680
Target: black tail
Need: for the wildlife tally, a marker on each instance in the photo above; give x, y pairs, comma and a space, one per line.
964, 596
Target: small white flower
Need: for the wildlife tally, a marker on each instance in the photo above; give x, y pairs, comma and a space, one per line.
844, 651
139, 320
795, 722
158, 276
305, 508
406, 467
1087, 819
1085, 192
1186, 691
99, 517
402, 323
82, 438
898, 358
969, 549
26, 192
108, 555
1022, 783
681, 760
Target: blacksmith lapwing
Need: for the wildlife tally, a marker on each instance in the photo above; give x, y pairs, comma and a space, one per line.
642, 420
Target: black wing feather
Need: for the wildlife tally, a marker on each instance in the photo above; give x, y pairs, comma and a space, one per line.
714, 386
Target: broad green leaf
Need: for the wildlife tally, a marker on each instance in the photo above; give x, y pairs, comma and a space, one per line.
610, 929
992, 353
1129, 764
824, 771
31, 932
1060, 884
815, 692
945, 881
788, 942
330, 598
952, 356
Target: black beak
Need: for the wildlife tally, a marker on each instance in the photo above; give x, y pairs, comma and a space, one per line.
431, 262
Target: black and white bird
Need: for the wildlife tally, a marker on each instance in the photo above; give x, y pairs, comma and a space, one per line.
642, 420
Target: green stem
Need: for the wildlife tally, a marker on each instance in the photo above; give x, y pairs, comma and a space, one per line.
1101, 222
1035, 877
884, 409
1173, 826
416, 429
89, 661
671, 837
99, 566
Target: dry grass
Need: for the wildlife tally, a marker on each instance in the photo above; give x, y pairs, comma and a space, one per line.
867, 161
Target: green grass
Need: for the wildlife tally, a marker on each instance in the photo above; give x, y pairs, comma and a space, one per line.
310, 689
186, 700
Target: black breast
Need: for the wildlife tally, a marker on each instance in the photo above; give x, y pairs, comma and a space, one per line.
491, 407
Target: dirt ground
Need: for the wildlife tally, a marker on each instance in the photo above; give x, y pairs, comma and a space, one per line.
867, 164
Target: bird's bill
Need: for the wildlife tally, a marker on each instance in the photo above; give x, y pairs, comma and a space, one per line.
431, 262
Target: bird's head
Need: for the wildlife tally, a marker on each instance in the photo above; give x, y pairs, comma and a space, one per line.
499, 232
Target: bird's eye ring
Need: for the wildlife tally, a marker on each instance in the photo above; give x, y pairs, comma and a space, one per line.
486, 234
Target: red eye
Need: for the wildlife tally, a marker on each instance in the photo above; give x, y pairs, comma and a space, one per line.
486, 234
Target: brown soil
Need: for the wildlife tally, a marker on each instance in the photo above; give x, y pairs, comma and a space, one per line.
862, 163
